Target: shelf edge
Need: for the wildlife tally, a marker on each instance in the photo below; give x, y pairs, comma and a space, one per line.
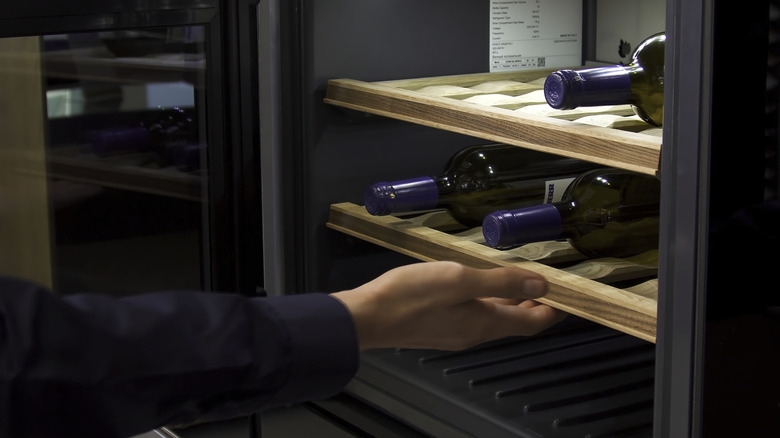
609, 306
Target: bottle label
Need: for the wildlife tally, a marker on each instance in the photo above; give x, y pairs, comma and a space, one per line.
526, 34
555, 189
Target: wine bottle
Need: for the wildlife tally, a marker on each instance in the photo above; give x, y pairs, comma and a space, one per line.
640, 83
604, 213
477, 181
164, 132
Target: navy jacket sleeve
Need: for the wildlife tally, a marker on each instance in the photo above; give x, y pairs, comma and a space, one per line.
93, 365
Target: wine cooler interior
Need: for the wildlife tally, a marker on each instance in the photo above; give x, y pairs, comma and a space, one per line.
387, 105
285, 114
401, 114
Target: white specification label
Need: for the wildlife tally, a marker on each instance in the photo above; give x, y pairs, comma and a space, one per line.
528, 34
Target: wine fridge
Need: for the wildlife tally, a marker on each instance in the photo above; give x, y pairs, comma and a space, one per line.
293, 108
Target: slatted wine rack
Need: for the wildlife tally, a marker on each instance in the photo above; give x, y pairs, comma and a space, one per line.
509, 108
577, 285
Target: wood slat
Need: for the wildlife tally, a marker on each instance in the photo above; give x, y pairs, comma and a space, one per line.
25, 230
126, 172
632, 313
402, 100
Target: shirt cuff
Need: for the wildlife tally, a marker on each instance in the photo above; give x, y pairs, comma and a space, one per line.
323, 346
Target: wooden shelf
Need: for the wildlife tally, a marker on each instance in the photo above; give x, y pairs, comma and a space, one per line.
577, 285
506, 108
66, 64
510, 108
171, 67
134, 172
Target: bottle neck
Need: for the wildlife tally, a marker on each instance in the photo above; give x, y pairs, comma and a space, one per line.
111, 141
569, 89
398, 196
507, 228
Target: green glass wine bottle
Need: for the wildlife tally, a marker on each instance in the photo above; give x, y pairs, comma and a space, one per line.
477, 181
604, 213
640, 83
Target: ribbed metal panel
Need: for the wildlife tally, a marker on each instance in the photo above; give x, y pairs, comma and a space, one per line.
578, 380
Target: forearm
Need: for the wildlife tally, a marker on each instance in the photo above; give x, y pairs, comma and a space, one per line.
109, 367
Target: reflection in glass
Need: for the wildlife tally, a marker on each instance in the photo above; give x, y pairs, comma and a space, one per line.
123, 159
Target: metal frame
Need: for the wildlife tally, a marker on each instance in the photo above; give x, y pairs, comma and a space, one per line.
241, 197
705, 179
684, 227
274, 176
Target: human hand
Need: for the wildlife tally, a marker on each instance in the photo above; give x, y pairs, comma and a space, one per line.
447, 306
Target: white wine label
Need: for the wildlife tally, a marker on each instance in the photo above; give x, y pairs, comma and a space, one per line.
527, 34
555, 189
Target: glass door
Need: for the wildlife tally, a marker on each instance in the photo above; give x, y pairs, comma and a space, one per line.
104, 173
124, 167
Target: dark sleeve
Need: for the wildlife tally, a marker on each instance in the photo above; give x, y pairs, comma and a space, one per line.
91, 365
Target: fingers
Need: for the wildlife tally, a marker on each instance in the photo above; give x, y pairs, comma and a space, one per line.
524, 319
480, 321
435, 304
504, 282
542, 316
512, 301
529, 319
431, 283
